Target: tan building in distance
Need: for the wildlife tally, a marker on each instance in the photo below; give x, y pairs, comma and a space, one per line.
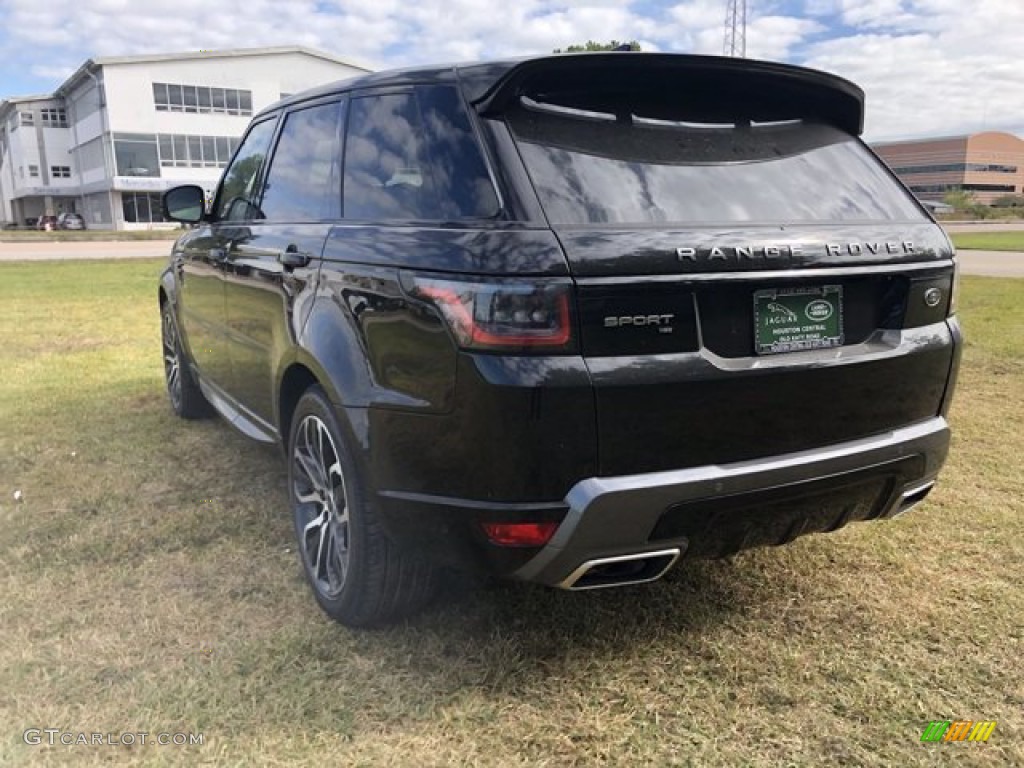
989, 165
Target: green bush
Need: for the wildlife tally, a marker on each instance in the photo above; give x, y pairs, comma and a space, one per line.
1009, 201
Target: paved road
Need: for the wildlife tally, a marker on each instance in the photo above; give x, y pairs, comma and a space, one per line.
992, 225
993, 263
126, 249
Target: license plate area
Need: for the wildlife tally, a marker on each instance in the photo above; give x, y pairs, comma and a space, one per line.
797, 318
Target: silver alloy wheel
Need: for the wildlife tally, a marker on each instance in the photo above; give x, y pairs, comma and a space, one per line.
172, 363
318, 487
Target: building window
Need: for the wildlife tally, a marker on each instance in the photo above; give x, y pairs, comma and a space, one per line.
926, 189
991, 168
201, 99
191, 98
33, 171
27, 118
989, 187
141, 207
909, 170
195, 151
136, 154
54, 118
180, 151
58, 171
90, 155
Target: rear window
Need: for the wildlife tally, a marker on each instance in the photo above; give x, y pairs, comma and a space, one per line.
591, 168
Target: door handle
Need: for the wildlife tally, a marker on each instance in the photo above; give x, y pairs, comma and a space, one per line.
291, 257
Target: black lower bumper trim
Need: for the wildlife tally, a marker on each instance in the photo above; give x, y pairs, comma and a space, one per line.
724, 526
714, 510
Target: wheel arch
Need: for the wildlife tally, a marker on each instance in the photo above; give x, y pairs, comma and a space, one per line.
166, 290
295, 380
297, 375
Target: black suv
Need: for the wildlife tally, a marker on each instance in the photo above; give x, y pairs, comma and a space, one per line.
567, 319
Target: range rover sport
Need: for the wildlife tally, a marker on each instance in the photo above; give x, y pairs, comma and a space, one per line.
569, 319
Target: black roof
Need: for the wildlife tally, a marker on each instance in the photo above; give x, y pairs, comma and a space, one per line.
493, 86
439, 73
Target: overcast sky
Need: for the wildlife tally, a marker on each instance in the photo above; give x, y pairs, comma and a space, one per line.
928, 66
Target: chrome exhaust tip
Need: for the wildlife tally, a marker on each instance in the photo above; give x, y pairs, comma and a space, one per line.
912, 497
622, 570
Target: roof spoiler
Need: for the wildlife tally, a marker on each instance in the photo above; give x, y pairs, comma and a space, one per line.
668, 86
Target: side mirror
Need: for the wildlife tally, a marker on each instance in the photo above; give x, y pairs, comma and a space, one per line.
186, 204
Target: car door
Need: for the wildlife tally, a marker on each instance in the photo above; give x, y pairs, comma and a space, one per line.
201, 305
201, 289
270, 269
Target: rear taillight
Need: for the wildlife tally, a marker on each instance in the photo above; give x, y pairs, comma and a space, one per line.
520, 534
501, 315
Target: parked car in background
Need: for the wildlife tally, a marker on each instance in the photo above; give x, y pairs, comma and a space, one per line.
569, 320
937, 207
70, 221
46, 223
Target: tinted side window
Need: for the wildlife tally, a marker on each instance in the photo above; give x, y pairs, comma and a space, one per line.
236, 201
414, 156
303, 183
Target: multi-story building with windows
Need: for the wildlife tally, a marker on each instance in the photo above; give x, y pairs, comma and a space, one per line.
989, 165
120, 131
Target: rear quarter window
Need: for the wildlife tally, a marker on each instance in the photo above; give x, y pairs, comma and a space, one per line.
414, 156
595, 169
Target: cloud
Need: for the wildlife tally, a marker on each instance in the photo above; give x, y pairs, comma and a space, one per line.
771, 34
928, 66
773, 37
51, 72
877, 14
953, 70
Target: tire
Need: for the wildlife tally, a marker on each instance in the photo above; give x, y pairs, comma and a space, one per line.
357, 574
186, 398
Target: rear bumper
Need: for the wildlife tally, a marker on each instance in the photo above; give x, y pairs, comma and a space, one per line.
632, 528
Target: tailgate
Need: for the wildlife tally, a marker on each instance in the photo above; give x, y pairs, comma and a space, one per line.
751, 279
680, 376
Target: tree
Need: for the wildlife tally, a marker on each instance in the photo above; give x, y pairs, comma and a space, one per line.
964, 201
239, 180
960, 199
590, 45
1008, 201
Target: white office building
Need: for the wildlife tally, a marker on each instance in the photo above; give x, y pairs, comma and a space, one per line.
120, 131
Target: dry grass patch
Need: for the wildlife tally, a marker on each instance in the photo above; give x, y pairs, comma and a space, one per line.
150, 583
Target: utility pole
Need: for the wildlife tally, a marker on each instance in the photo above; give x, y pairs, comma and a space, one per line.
735, 42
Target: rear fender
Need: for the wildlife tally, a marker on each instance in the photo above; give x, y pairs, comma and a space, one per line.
371, 346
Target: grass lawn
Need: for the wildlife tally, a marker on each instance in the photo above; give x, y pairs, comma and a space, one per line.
989, 241
148, 582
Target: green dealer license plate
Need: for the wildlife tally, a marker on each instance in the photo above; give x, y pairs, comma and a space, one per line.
792, 319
